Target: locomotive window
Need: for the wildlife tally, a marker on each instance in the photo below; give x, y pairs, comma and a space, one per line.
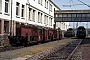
81, 29
47, 32
35, 30
40, 31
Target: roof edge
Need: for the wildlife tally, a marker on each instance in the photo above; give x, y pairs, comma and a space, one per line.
54, 4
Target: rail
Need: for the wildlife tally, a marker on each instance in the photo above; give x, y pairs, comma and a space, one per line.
66, 52
69, 57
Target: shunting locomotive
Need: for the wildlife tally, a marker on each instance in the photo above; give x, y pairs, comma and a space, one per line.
81, 32
69, 33
32, 34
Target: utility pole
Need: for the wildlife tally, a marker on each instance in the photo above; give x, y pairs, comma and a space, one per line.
77, 25
11, 28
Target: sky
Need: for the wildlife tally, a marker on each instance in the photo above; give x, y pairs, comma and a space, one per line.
60, 4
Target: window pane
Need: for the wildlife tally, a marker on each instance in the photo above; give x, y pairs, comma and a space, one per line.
64, 15
44, 19
29, 12
69, 15
87, 15
60, 15
17, 4
38, 16
83, 15
56, 15
41, 18
73, 15
7, 0
16, 10
78, 15
33, 15
6, 7
22, 12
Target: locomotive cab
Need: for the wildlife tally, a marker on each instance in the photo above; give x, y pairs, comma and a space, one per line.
81, 32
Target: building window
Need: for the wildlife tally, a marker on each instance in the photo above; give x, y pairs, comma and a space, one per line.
57, 24
78, 15
69, 15
64, 15
29, 13
1, 5
39, 17
22, 13
51, 21
73, 15
39, 1
45, 3
17, 8
83, 15
87, 15
33, 15
50, 7
7, 6
47, 20
60, 15
56, 15
44, 19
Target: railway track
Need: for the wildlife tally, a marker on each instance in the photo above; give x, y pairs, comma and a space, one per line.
65, 53
83, 51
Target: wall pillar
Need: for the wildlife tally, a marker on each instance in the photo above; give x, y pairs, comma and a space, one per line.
9, 27
14, 28
2, 26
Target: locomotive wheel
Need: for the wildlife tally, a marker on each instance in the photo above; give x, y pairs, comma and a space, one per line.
25, 44
24, 41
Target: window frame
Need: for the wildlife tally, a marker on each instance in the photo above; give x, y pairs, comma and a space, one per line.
17, 6
22, 10
6, 8
33, 16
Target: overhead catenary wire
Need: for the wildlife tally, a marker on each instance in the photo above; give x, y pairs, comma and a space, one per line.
70, 5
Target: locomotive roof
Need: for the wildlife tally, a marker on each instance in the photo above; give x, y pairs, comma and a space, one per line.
69, 29
81, 27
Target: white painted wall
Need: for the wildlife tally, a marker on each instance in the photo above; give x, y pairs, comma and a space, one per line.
34, 5
43, 10
0, 5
